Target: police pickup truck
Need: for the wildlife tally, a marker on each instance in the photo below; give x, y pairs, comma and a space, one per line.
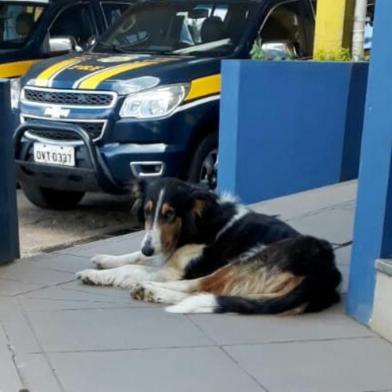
144, 102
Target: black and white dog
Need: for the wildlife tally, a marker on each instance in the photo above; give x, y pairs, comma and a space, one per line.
204, 253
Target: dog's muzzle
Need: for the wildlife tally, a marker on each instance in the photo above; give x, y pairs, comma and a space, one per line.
147, 248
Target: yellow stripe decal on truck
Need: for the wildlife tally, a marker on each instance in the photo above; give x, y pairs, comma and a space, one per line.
91, 82
203, 87
15, 69
45, 78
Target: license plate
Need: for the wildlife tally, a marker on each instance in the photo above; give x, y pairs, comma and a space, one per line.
54, 154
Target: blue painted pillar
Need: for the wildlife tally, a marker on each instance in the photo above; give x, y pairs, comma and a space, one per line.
9, 239
373, 224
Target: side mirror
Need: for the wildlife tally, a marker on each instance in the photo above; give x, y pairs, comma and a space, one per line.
91, 42
63, 45
279, 49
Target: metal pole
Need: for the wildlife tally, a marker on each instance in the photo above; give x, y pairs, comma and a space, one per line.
359, 29
9, 238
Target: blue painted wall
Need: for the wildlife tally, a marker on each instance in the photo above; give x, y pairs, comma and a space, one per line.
373, 224
289, 126
9, 240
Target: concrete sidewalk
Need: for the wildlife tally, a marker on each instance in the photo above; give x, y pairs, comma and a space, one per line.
58, 335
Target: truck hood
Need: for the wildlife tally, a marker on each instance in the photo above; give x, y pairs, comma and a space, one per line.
94, 71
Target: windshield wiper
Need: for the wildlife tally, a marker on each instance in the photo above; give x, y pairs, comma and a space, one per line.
112, 47
134, 49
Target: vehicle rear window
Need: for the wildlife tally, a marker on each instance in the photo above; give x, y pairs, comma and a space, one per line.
17, 22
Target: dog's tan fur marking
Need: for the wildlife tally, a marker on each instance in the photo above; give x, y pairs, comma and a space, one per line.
182, 256
296, 311
250, 283
166, 208
198, 207
170, 233
149, 206
219, 282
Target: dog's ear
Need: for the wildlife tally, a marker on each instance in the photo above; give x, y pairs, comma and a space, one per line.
202, 200
138, 192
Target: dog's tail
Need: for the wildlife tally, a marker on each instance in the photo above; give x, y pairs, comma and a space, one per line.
302, 299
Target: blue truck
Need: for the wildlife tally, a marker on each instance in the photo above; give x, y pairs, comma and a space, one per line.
144, 101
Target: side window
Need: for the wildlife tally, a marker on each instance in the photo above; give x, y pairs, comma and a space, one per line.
75, 21
113, 11
288, 23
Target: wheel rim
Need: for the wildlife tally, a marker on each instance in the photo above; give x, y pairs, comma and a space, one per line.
209, 170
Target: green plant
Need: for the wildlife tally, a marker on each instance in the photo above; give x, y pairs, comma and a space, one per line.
257, 53
342, 54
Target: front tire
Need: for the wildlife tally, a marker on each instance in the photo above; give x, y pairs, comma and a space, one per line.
51, 198
204, 166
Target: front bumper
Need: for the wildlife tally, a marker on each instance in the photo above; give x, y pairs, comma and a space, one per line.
109, 168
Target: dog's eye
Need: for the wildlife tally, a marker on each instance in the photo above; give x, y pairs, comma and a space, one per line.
169, 215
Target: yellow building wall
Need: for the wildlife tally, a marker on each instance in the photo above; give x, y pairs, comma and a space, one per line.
334, 24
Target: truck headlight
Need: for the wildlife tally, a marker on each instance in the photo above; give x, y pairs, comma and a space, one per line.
155, 103
15, 92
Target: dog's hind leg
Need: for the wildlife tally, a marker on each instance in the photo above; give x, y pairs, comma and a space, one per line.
150, 292
185, 286
126, 276
164, 292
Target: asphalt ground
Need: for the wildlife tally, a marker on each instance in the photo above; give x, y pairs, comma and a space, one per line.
98, 216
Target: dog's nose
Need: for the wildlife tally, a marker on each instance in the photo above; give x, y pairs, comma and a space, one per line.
147, 250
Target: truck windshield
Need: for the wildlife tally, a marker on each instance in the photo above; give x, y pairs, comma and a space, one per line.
212, 28
17, 21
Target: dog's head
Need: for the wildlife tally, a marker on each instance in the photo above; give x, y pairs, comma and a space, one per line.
170, 209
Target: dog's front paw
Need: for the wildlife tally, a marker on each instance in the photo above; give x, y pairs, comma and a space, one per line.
144, 292
88, 277
100, 261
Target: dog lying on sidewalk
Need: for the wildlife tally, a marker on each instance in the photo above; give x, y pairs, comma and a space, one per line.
203, 253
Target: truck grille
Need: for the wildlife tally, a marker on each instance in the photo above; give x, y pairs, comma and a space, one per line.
68, 98
93, 129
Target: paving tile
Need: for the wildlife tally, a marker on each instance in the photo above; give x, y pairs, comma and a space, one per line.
303, 203
36, 373
334, 224
30, 273
114, 329
9, 379
74, 295
343, 255
350, 365
10, 287
174, 370
345, 271
235, 329
99, 292
40, 305
14, 323
60, 262
114, 246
